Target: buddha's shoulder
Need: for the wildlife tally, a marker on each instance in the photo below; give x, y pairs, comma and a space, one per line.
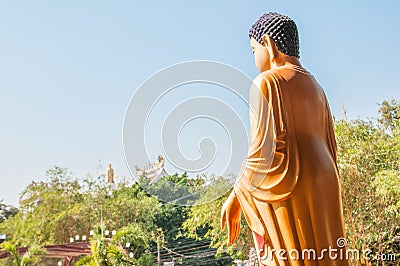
270, 76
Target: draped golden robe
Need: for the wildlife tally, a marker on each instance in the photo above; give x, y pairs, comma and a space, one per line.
289, 188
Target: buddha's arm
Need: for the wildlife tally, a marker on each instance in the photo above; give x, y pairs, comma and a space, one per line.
262, 134
258, 158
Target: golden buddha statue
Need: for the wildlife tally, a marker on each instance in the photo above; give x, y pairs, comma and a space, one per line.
292, 204
110, 174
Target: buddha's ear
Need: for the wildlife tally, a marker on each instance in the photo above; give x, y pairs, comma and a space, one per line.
271, 46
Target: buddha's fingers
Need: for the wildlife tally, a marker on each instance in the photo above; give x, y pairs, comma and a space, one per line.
237, 230
234, 229
231, 233
223, 219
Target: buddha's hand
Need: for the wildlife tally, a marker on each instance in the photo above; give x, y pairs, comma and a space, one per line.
230, 214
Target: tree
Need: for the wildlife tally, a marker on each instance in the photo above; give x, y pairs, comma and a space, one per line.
175, 189
368, 162
176, 193
54, 210
60, 207
42, 203
389, 114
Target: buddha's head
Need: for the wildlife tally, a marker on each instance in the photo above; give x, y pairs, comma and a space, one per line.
273, 36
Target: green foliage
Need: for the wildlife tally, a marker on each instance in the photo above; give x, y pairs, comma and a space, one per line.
53, 211
387, 186
138, 239
204, 220
145, 260
175, 189
368, 160
170, 221
390, 114
51, 198
86, 261
31, 256
114, 251
8, 247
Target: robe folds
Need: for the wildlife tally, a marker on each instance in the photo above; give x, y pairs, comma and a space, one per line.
289, 187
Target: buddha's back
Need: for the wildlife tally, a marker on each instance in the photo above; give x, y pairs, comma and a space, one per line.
313, 128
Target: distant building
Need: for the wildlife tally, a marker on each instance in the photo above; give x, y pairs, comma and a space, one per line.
153, 171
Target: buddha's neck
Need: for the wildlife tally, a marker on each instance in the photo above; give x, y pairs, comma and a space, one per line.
284, 60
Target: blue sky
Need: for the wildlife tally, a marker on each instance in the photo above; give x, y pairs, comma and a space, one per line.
68, 69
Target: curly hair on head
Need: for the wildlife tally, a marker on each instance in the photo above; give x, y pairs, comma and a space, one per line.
281, 29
